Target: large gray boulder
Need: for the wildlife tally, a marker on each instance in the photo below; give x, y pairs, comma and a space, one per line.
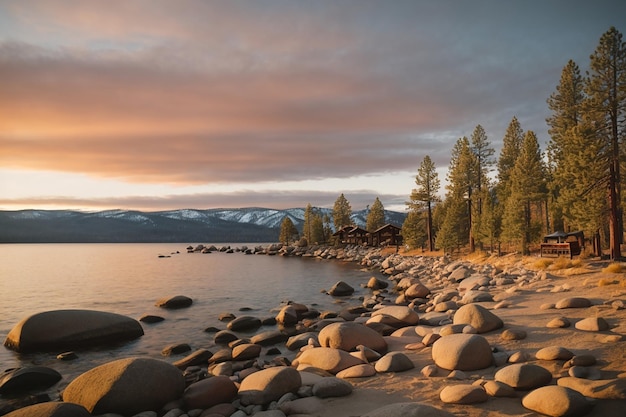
348, 335
70, 329
269, 385
126, 386
464, 352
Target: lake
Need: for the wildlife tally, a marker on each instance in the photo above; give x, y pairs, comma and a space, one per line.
129, 278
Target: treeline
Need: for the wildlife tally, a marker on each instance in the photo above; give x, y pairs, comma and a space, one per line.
521, 194
317, 225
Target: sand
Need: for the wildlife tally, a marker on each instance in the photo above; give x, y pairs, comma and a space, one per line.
523, 313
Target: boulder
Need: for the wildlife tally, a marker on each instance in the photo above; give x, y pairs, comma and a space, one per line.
287, 316
608, 389
376, 284
463, 394
126, 386
175, 349
297, 341
498, 389
150, 319
70, 329
332, 387
478, 317
269, 337
348, 335
474, 282
465, 352
556, 401
403, 314
341, 289
394, 362
174, 302
209, 392
592, 324
473, 296
408, 409
573, 302
246, 351
302, 407
244, 323
417, 290
51, 409
357, 371
558, 323
553, 353
328, 359
31, 377
523, 376
198, 357
269, 385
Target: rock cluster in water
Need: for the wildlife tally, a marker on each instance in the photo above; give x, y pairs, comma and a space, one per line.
307, 355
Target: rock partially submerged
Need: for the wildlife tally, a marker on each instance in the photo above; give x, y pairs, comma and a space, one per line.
70, 329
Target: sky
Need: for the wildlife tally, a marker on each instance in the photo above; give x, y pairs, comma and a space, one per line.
158, 105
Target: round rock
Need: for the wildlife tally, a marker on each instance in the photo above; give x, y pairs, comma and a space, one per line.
269, 385
348, 335
553, 353
573, 302
328, 359
478, 317
394, 362
331, 387
32, 377
592, 324
126, 386
209, 392
69, 329
244, 323
174, 302
557, 401
463, 394
524, 376
341, 289
465, 352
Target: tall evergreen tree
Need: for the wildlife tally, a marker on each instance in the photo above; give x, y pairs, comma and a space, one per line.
313, 227
483, 156
288, 231
606, 106
527, 189
376, 216
566, 104
423, 197
308, 223
414, 229
342, 212
511, 145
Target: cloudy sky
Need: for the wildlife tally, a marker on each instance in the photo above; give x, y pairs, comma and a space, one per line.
156, 105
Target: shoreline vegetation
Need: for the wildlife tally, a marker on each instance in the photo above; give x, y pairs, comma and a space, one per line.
557, 324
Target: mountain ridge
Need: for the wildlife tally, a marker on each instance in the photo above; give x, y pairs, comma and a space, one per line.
249, 224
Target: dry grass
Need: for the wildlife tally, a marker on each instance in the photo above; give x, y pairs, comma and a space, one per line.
613, 268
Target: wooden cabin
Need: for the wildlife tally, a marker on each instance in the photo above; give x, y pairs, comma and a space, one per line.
562, 244
388, 235
351, 235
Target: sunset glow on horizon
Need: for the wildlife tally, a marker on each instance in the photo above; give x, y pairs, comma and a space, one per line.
157, 105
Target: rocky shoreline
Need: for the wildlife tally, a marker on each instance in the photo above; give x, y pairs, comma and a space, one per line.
438, 335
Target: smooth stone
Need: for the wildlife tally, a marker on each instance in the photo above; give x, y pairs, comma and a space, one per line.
246, 351
498, 389
592, 324
417, 290
463, 394
269, 337
174, 302
348, 335
465, 352
376, 284
332, 387
429, 371
513, 334
297, 341
209, 392
357, 371
67, 356
478, 317
244, 323
518, 357
224, 337
287, 316
573, 302
524, 376
581, 360
553, 353
150, 319
559, 323
114, 387
403, 314
198, 357
28, 378
608, 389
51, 409
221, 355
328, 359
476, 297
557, 401
269, 385
301, 407
175, 349
68, 329
408, 409
341, 289
394, 362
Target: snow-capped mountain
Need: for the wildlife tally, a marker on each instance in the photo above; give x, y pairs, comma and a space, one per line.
186, 225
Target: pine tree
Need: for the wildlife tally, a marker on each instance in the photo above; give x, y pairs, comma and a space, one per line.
511, 144
527, 189
483, 156
422, 199
288, 231
342, 212
606, 107
376, 216
414, 229
566, 104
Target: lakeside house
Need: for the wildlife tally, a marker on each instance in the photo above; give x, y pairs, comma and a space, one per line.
388, 235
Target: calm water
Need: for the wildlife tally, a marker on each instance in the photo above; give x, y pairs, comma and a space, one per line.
129, 278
